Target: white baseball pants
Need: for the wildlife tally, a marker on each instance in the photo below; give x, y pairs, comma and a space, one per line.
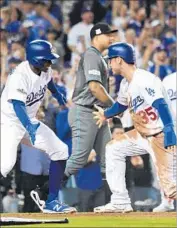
132, 144
11, 135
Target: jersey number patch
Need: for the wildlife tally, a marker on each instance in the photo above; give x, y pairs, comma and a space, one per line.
147, 114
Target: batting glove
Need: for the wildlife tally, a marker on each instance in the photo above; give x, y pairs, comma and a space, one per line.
32, 128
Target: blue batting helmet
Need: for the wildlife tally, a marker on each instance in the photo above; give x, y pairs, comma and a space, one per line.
38, 51
122, 50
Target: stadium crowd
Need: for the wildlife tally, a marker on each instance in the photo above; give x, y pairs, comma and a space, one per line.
149, 25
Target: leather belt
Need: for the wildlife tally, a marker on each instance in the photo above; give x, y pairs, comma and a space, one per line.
90, 107
154, 134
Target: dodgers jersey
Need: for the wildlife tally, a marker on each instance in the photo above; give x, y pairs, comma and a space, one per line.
139, 96
24, 85
169, 84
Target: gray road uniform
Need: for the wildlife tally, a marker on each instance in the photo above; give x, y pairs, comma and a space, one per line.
85, 133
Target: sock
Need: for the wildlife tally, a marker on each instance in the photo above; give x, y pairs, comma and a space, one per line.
56, 173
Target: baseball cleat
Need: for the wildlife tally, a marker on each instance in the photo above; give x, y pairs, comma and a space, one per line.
56, 207
51, 207
164, 207
114, 208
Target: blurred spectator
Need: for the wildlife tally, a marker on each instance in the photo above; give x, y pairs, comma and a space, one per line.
99, 10
138, 21
3, 3
42, 19
79, 35
170, 24
15, 20
10, 202
5, 16
157, 28
11, 19
3, 69
55, 9
29, 32
160, 66
52, 37
17, 50
63, 130
151, 46
169, 42
117, 130
121, 18
51, 107
154, 13
3, 34
27, 8
112, 86
130, 37
12, 63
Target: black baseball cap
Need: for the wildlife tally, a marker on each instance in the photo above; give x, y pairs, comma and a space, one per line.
101, 28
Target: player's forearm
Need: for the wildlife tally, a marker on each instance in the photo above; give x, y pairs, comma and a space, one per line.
162, 107
20, 111
166, 117
53, 89
114, 110
100, 93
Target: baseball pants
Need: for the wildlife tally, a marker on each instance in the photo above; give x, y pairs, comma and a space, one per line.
132, 144
46, 140
85, 136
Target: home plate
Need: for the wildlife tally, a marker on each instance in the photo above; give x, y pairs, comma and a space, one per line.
5, 221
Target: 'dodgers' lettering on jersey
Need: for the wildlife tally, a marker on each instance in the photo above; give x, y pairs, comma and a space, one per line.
172, 94
135, 103
35, 97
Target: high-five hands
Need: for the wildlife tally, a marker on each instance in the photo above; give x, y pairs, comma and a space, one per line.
99, 116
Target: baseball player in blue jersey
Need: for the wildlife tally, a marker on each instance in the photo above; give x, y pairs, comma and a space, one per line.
20, 101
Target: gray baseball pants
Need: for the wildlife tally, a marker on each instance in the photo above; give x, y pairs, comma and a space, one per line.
85, 136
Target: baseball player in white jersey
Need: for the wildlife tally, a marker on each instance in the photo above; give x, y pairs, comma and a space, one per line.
144, 95
169, 83
20, 101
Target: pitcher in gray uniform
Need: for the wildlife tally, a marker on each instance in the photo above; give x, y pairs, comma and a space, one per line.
90, 88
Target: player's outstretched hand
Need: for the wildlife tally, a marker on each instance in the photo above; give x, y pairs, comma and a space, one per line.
169, 138
99, 116
32, 128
